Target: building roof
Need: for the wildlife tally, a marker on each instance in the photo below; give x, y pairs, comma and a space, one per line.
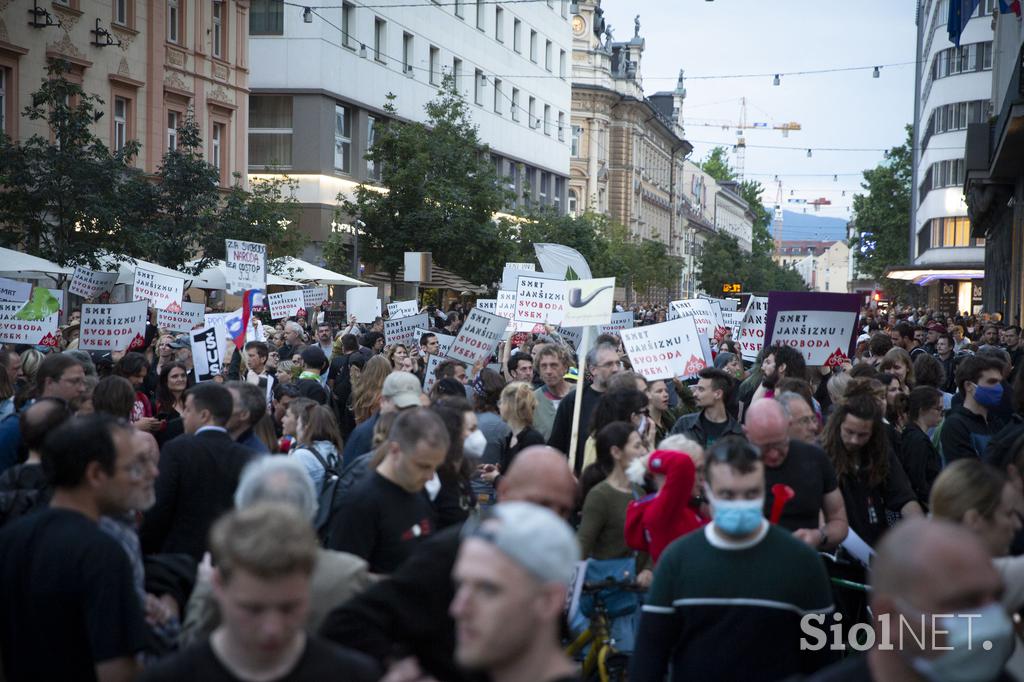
804, 247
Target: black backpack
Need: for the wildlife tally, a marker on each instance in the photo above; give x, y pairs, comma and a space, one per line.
327, 495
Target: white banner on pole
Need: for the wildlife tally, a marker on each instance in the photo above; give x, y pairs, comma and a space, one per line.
363, 303
478, 337
90, 283
190, 317
751, 337
245, 266
113, 327
540, 301
669, 350
34, 332
404, 330
589, 302
162, 291
207, 352
285, 304
403, 308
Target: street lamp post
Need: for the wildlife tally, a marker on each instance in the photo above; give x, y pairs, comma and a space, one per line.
354, 231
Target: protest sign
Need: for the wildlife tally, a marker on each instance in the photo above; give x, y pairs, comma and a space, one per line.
363, 303
751, 336
444, 341
419, 266
113, 327
285, 304
24, 331
488, 305
12, 290
335, 318
540, 301
403, 308
478, 337
42, 304
726, 304
89, 283
313, 298
505, 306
190, 317
207, 352
618, 322
588, 302
162, 291
245, 266
403, 329
532, 267
510, 275
573, 335
669, 350
705, 313
428, 375
823, 327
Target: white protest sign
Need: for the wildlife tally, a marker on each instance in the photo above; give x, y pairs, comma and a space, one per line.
705, 313
444, 341
724, 303
34, 332
821, 326
363, 303
162, 291
89, 283
478, 337
285, 304
510, 275
403, 308
619, 321
733, 320
12, 290
207, 352
573, 335
589, 302
669, 350
113, 327
245, 266
505, 306
532, 267
751, 337
419, 266
403, 329
489, 305
313, 298
428, 376
540, 301
190, 317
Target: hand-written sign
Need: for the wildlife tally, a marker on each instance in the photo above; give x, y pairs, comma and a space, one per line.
113, 327
813, 323
207, 352
190, 317
162, 291
34, 332
669, 350
89, 283
245, 266
750, 338
285, 304
478, 337
403, 329
540, 301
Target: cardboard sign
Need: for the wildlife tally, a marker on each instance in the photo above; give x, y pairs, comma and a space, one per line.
705, 313
207, 352
245, 266
512, 272
444, 341
428, 375
418, 266
113, 327
403, 329
820, 326
313, 298
13, 290
489, 305
589, 302
478, 337
403, 308
34, 332
751, 337
619, 321
669, 350
162, 291
363, 303
285, 304
190, 317
540, 301
90, 283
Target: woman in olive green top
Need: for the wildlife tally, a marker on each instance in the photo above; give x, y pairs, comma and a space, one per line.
607, 492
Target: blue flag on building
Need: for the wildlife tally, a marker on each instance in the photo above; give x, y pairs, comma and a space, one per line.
960, 12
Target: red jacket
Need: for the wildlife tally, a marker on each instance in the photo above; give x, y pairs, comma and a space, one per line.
652, 523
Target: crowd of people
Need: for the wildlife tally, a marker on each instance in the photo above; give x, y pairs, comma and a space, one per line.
322, 509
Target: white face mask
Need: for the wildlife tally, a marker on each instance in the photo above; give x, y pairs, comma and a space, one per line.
968, 660
474, 445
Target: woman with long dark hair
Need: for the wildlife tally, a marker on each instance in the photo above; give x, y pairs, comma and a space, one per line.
455, 500
170, 391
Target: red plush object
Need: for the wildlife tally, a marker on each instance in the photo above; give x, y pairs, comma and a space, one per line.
653, 522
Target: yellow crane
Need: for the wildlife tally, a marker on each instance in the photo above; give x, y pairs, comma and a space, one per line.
741, 126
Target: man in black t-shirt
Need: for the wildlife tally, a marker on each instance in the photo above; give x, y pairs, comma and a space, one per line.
264, 557
383, 517
711, 393
70, 610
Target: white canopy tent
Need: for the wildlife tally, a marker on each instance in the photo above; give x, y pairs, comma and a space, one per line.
307, 272
125, 269
214, 277
20, 265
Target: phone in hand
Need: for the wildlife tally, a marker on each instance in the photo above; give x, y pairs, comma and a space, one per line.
642, 426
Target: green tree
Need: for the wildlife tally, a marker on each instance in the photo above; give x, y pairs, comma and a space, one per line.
716, 164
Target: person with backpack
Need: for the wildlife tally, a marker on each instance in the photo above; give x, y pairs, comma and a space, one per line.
319, 444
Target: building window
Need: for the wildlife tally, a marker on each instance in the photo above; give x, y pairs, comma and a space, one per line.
561, 126
266, 18
529, 185
348, 22
120, 123
372, 167
497, 96
457, 73
517, 35
577, 137
561, 63
532, 111
173, 121
545, 186
270, 130
499, 24
407, 48
950, 232
216, 147
173, 21
547, 55
515, 104
480, 15
547, 119
573, 203
218, 28
556, 198
121, 12
342, 138
478, 86
533, 46
435, 65
380, 40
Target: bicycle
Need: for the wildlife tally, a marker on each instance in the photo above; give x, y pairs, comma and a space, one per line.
603, 661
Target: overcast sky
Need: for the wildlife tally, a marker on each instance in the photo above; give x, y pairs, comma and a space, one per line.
846, 109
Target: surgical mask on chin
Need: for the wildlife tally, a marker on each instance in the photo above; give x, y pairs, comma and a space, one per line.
989, 396
968, 660
474, 445
736, 517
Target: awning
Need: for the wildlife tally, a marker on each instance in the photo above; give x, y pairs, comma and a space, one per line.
442, 279
26, 266
214, 277
297, 269
125, 268
923, 274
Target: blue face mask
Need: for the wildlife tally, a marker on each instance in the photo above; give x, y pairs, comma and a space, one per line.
989, 396
736, 517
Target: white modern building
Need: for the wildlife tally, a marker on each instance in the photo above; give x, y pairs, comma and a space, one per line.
732, 214
320, 78
954, 89
826, 268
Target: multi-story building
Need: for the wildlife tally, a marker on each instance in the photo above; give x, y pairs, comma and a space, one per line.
322, 76
953, 90
697, 224
825, 267
153, 62
733, 215
995, 176
628, 150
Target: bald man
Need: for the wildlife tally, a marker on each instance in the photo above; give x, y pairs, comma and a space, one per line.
406, 616
940, 574
803, 467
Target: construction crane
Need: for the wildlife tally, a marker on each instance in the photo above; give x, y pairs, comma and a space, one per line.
740, 148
